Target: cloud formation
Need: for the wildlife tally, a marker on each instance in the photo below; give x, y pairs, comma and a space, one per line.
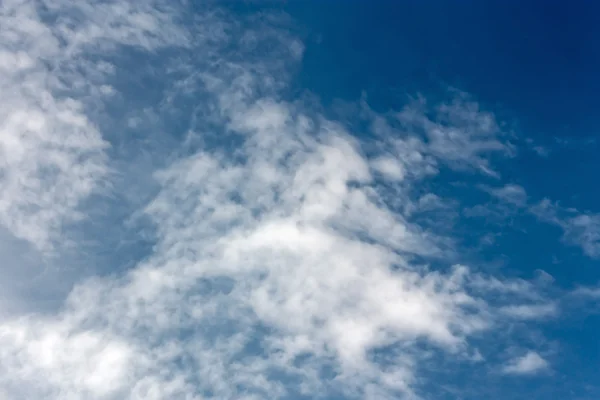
282, 267
54, 68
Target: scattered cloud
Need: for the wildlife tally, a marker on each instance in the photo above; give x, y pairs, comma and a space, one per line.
579, 228
509, 193
541, 151
529, 364
281, 262
583, 230
457, 132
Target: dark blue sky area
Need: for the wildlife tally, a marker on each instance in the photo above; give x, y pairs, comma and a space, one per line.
538, 59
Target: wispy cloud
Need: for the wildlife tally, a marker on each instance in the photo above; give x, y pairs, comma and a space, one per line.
280, 267
584, 230
455, 133
530, 311
587, 292
509, 193
580, 228
53, 156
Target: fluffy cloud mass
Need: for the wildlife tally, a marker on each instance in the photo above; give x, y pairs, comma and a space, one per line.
288, 257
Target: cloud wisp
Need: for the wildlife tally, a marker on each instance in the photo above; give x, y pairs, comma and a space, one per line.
580, 228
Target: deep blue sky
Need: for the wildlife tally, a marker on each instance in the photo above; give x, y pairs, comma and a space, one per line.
537, 58
534, 61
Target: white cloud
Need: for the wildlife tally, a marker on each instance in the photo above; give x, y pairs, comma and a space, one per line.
75, 363
528, 364
277, 256
390, 167
52, 155
460, 134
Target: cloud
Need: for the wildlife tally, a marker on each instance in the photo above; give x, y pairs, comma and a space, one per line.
53, 156
533, 311
509, 193
461, 133
584, 230
580, 229
509, 202
587, 292
281, 263
541, 151
389, 167
518, 299
528, 364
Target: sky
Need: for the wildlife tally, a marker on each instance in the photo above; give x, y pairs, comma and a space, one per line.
299, 200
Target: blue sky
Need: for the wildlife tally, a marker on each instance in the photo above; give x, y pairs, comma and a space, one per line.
299, 200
